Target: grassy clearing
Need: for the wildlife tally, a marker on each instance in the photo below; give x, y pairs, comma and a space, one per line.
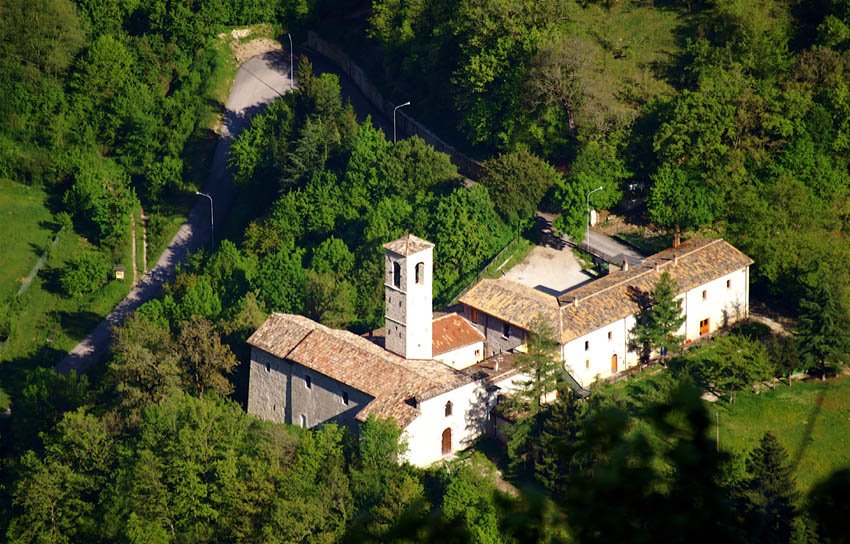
47, 318
514, 253
27, 227
811, 420
640, 42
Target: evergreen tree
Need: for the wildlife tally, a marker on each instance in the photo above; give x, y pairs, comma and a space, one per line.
769, 494
541, 368
823, 329
659, 318
560, 434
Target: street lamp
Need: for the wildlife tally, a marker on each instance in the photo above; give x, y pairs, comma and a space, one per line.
291, 68
587, 236
395, 109
212, 220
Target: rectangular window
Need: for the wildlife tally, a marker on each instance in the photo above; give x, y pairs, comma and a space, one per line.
506, 330
303, 421
704, 294
703, 327
610, 335
587, 363
478, 353
345, 398
268, 367
473, 315
728, 284
419, 272
308, 381
586, 345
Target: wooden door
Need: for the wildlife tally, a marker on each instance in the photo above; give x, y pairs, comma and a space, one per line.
447, 441
703, 327
614, 364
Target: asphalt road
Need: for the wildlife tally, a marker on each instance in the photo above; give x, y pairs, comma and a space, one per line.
260, 80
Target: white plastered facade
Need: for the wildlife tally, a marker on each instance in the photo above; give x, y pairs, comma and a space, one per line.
593, 355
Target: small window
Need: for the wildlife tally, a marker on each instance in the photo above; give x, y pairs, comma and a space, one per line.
419, 272
448, 408
303, 421
506, 330
704, 294
586, 345
478, 353
610, 335
587, 363
728, 284
308, 381
399, 304
396, 274
345, 398
268, 367
473, 314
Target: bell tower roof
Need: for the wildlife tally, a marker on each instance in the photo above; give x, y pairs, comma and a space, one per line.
408, 245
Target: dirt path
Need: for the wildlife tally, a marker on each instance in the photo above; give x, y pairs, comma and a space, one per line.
260, 80
133, 244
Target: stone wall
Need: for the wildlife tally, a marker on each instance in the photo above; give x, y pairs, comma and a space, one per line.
404, 123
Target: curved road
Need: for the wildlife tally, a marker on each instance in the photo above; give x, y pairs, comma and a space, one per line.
259, 81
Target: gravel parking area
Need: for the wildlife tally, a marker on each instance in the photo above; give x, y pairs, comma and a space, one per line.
549, 270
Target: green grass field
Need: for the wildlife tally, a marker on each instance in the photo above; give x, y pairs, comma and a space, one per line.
811, 420
45, 323
27, 228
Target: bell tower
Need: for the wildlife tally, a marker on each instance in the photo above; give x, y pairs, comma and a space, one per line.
408, 284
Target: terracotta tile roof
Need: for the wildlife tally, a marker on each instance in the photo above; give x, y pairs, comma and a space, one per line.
606, 300
357, 362
451, 332
408, 245
512, 302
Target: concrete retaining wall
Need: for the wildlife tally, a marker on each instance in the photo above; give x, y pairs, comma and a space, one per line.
405, 125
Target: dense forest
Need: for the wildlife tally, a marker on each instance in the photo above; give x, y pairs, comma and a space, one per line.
738, 129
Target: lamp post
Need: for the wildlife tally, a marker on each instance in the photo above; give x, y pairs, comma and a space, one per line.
395, 109
587, 200
212, 220
291, 68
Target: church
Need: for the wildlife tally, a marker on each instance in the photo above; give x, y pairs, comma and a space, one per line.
439, 376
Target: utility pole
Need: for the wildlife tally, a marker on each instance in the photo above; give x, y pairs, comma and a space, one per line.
212, 218
291, 67
395, 109
587, 200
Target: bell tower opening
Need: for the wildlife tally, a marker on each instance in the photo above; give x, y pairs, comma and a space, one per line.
408, 297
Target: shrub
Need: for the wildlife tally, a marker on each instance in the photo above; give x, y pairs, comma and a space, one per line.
84, 274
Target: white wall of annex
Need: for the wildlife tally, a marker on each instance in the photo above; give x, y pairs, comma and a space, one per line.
463, 357
722, 306
595, 362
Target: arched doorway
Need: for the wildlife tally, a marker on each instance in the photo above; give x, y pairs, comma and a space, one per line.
614, 364
447, 441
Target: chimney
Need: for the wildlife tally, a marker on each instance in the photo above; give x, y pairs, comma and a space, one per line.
658, 267
575, 302
496, 366
625, 265
676, 238
675, 259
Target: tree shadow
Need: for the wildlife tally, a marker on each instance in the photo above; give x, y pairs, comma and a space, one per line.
78, 324
50, 280
810, 426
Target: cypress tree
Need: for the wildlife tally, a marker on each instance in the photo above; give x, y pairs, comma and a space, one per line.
770, 493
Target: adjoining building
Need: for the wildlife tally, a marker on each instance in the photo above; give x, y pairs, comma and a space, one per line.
439, 377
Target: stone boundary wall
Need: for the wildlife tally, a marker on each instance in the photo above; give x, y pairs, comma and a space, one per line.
404, 123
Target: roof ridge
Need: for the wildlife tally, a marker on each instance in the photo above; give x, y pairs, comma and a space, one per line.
649, 268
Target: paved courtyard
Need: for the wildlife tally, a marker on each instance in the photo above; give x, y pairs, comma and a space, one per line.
550, 270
